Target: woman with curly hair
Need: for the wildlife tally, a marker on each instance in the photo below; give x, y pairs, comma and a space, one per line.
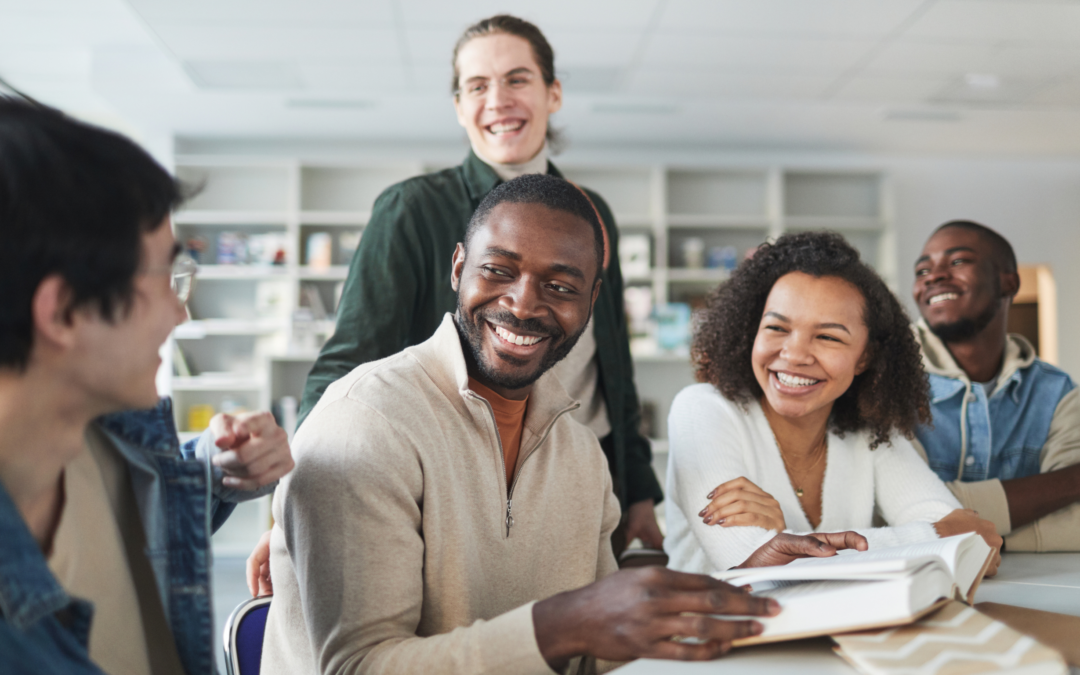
811, 389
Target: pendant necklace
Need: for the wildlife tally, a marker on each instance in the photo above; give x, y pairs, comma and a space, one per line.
791, 474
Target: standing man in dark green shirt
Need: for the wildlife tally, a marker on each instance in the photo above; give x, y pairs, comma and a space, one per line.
399, 283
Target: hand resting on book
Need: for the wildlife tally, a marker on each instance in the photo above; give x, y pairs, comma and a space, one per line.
783, 548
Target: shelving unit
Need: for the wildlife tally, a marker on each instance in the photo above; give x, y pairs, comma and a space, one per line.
242, 329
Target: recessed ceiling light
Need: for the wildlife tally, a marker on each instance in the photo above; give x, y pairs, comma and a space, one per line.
635, 108
982, 80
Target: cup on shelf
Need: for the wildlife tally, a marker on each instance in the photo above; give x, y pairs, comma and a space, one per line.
693, 252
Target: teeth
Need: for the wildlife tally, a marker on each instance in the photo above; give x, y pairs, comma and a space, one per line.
504, 127
795, 381
526, 340
943, 297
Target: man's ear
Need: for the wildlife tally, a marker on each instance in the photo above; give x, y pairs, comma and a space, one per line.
457, 265
52, 314
554, 98
596, 290
1010, 284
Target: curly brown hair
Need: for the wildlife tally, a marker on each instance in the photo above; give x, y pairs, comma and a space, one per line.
890, 396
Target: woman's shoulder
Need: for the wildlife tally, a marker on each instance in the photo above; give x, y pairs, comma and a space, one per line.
703, 400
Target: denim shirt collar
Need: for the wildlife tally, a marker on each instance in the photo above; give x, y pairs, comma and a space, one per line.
28, 590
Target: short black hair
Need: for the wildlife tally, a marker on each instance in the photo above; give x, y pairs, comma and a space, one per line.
550, 191
1002, 250
891, 396
75, 200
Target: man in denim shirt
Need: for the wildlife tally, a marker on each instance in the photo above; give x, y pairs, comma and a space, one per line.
1006, 425
105, 521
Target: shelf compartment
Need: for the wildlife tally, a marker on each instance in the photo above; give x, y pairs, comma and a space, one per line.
199, 329
837, 223
742, 239
335, 218
626, 190
718, 192
237, 188
718, 222
832, 194
241, 272
345, 188
217, 382
334, 272
699, 275
232, 218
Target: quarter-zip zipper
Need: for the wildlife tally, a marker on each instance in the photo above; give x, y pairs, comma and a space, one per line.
509, 521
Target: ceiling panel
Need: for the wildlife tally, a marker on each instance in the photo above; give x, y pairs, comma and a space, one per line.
593, 48
892, 89
333, 76
278, 43
431, 46
549, 14
366, 14
1064, 93
727, 84
791, 17
995, 20
757, 53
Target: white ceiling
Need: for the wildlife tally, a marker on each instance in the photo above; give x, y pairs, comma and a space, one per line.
968, 76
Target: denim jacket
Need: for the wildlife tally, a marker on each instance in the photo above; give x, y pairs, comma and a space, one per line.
181, 503
975, 441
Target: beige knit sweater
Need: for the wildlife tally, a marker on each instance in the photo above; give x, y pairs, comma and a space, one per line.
390, 551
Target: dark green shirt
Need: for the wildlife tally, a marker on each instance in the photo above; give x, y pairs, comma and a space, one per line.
398, 291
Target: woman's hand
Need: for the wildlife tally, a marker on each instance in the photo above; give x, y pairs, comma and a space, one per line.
783, 548
966, 520
740, 503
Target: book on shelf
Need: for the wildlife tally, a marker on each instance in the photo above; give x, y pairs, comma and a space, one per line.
860, 590
956, 639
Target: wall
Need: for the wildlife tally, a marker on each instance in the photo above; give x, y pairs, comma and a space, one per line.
1034, 204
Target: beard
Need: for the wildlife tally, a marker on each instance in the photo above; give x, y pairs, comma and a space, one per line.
964, 329
471, 330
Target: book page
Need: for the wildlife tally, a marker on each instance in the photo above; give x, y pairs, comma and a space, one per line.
880, 564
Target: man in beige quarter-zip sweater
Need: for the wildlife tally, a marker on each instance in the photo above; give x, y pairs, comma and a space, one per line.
405, 542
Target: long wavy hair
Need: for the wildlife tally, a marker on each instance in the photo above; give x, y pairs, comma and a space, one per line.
890, 397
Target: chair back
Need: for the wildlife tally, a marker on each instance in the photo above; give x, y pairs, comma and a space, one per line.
243, 639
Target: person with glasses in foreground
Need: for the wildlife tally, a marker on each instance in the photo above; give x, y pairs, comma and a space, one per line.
105, 520
811, 389
448, 515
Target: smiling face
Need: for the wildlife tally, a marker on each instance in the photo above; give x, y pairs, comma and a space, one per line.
958, 287
117, 361
525, 288
502, 100
810, 344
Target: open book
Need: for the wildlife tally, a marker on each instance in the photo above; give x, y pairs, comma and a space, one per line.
861, 590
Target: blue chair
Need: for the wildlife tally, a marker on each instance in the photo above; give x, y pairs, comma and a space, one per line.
243, 639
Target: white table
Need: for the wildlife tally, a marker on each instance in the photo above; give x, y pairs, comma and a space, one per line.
1047, 581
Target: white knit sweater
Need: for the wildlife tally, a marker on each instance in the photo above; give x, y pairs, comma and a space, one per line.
714, 440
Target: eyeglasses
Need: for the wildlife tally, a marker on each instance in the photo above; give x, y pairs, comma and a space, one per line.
184, 269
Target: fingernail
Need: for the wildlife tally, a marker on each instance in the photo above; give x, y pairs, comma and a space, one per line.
701, 513
774, 606
708, 518
721, 521
756, 628
710, 495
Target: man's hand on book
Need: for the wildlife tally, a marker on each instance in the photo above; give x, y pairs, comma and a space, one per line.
635, 613
783, 548
966, 520
740, 503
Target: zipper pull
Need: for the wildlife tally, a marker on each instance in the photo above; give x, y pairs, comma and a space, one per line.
509, 518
